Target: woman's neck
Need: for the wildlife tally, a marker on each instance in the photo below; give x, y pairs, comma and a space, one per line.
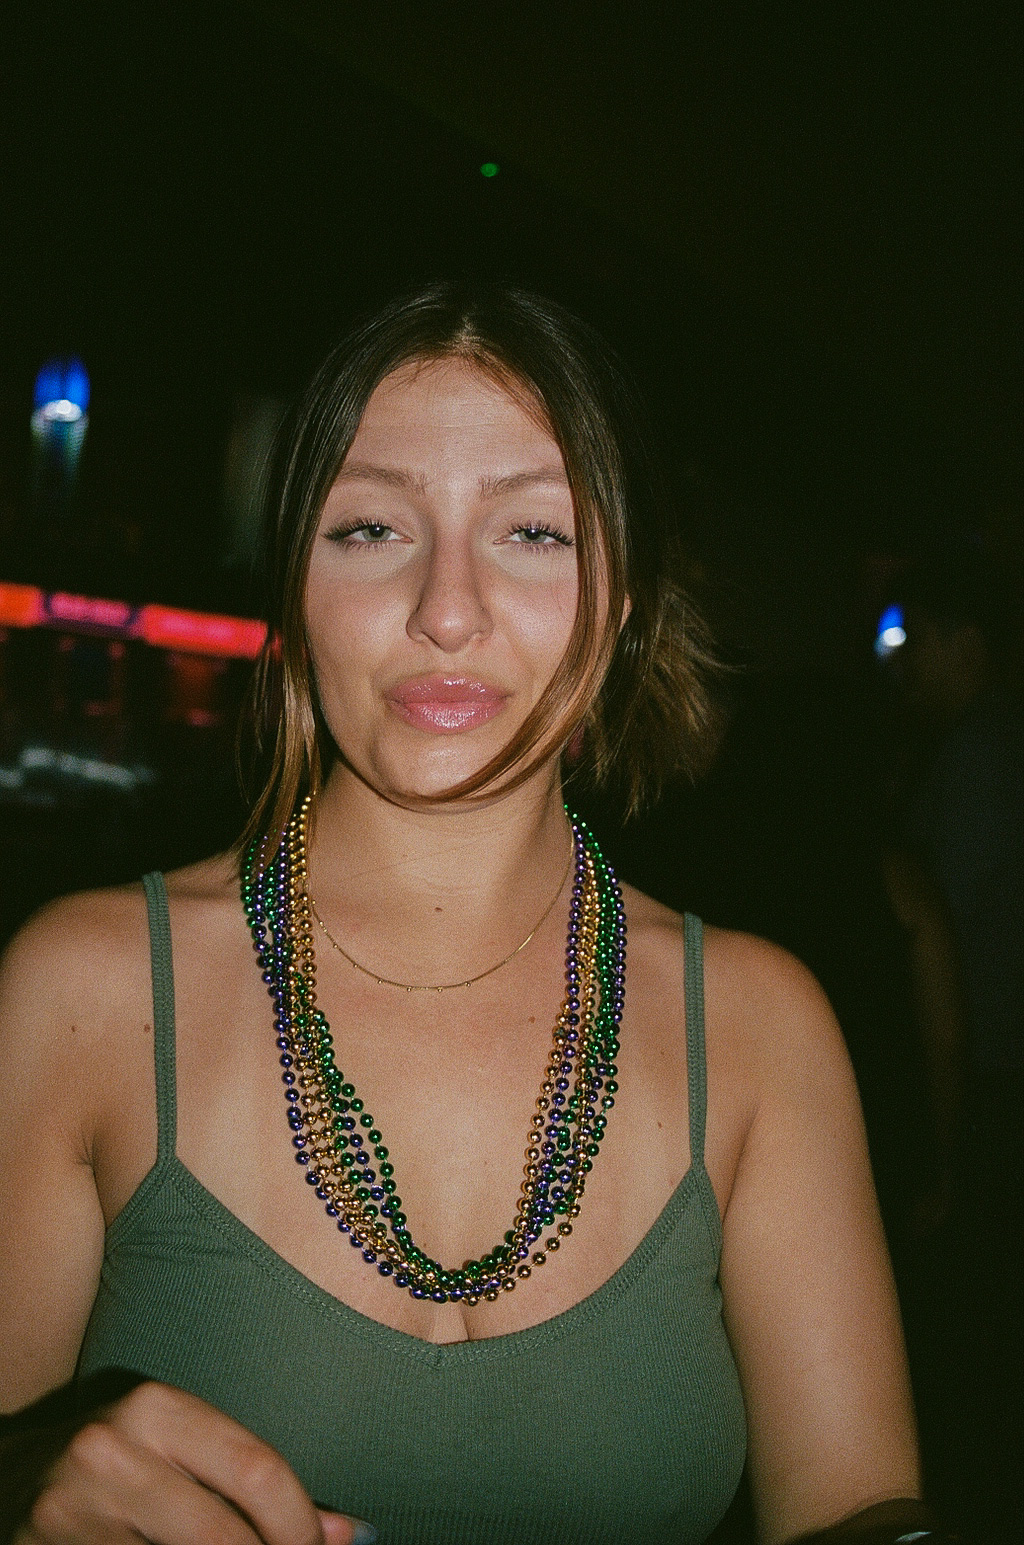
436, 891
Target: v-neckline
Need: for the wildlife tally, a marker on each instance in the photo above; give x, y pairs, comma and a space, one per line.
387, 1337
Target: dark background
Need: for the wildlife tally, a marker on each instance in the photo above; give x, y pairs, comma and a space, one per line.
800, 225
801, 228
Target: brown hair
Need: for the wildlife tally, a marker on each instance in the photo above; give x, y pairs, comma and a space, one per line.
637, 692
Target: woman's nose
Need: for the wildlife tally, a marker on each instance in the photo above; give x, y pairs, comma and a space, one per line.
450, 608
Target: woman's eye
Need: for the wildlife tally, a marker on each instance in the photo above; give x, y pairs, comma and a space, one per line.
539, 536
370, 534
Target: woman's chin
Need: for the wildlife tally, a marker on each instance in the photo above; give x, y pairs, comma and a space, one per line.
409, 781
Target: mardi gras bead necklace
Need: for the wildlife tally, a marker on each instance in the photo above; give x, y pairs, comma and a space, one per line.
337, 1141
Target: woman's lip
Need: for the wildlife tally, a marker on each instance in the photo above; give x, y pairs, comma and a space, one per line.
446, 704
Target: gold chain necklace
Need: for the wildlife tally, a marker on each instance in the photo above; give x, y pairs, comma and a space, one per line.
387, 981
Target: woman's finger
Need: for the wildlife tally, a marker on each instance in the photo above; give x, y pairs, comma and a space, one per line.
339, 1530
225, 1457
107, 1489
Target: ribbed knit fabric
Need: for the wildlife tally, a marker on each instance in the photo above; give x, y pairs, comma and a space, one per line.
618, 1420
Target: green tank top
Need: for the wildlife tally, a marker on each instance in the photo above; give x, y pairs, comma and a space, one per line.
619, 1420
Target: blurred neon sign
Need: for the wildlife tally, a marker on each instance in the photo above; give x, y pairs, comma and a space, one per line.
21, 606
164, 627
167, 627
114, 617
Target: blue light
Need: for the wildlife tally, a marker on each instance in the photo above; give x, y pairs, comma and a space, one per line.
891, 632
62, 390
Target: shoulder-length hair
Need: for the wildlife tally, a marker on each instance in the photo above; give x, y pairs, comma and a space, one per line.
631, 698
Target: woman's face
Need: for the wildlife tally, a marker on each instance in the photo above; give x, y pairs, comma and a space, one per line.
442, 585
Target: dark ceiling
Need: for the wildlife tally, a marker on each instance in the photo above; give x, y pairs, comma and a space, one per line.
800, 224
792, 153
849, 173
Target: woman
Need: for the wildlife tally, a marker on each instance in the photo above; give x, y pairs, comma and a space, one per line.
472, 589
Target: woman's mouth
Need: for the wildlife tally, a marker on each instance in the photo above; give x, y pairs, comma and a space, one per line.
446, 705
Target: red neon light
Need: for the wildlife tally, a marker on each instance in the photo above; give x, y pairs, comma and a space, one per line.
201, 632
165, 627
21, 606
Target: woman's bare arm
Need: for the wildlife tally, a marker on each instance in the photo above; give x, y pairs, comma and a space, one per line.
49, 1208
156, 1463
809, 1298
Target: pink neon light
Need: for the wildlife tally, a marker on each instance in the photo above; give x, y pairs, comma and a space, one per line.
118, 616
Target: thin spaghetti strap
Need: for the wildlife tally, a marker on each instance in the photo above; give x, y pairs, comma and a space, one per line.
696, 1062
163, 1014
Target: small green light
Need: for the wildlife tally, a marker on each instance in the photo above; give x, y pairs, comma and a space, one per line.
489, 169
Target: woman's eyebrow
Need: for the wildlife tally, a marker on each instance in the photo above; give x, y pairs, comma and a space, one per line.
370, 472
515, 482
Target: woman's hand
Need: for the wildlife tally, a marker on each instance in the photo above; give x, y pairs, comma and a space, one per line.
163, 1466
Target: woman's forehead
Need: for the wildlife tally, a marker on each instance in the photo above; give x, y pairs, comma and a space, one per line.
441, 408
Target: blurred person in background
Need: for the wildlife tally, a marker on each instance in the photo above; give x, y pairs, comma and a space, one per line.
964, 838
965, 815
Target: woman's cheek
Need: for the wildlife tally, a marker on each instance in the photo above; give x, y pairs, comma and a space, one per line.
350, 626
542, 616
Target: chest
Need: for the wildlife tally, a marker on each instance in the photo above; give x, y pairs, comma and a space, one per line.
451, 1082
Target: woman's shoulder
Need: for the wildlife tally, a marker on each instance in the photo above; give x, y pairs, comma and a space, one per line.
771, 1041
774, 1016
70, 940
92, 948
756, 993
76, 990
74, 985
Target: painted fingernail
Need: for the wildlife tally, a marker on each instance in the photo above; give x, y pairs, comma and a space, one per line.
365, 1533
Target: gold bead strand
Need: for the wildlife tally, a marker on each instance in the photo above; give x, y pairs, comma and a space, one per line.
587, 972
